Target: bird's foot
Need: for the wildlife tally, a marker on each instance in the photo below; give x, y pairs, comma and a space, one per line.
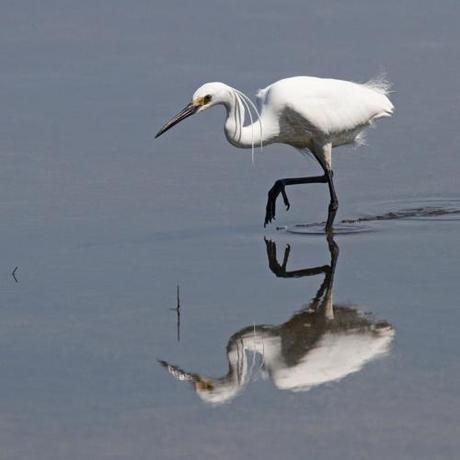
270, 210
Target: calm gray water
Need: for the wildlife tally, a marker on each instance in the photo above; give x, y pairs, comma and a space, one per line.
103, 222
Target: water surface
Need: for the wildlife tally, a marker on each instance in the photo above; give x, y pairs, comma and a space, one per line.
103, 222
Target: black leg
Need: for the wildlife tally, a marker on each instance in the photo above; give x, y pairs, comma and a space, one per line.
279, 187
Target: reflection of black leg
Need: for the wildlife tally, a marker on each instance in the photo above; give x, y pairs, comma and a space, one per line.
334, 203
333, 250
279, 187
281, 271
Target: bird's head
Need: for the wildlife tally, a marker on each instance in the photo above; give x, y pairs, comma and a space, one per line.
206, 96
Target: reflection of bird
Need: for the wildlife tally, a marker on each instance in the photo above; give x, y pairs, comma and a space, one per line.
308, 113
319, 344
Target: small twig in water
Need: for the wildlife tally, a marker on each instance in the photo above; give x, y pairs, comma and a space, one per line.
177, 310
13, 274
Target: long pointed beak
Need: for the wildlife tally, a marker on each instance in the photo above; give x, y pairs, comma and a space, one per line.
182, 115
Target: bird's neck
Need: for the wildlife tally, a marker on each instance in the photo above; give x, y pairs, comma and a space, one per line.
237, 134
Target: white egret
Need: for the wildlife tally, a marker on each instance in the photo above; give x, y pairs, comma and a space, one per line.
309, 113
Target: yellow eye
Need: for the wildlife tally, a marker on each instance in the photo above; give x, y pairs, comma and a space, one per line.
207, 99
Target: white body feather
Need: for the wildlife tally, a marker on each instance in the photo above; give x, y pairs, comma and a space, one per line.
304, 111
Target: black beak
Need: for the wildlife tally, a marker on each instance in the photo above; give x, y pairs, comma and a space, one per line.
182, 115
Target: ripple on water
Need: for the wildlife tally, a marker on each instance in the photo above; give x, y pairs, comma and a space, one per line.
444, 210
422, 209
340, 228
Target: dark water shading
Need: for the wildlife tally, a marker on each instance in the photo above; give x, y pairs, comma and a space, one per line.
321, 343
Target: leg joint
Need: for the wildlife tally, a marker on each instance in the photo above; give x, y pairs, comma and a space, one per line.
333, 205
280, 183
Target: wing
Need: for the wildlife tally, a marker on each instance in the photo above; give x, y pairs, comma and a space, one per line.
327, 106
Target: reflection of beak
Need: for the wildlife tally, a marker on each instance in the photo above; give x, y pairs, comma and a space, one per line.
182, 115
179, 373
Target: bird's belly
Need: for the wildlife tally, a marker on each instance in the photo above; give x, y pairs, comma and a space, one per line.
351, 136
299, 139
294, 131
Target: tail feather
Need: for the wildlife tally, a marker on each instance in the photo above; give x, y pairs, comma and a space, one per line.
380, 84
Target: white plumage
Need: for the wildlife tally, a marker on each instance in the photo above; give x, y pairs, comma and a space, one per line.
309, 113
